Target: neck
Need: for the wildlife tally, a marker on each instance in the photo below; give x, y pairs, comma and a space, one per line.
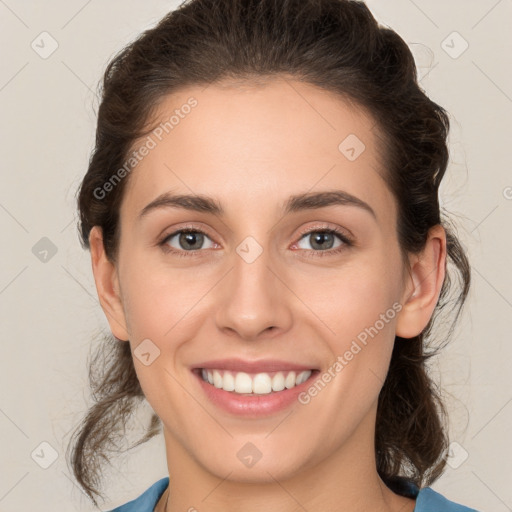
347, 480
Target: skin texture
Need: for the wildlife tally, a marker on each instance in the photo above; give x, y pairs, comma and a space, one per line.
250, 148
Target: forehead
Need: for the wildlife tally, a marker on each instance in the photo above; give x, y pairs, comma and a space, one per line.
253, 145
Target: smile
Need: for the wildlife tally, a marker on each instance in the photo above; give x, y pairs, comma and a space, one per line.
253, 395
258, 384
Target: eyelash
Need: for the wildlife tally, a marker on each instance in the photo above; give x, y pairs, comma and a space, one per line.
347, 242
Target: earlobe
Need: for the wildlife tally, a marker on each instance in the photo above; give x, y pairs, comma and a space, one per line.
423, 287
107, 285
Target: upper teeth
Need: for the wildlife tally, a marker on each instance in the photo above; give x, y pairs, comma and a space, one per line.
261, 383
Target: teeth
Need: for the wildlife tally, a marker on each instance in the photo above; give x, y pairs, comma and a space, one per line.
278, 382
290, 380
259, 384
217, 379
228, 382
243, 383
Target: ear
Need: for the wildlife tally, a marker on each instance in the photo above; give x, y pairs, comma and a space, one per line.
423, 285
107, 285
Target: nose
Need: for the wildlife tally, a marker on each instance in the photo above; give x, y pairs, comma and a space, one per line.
254, 301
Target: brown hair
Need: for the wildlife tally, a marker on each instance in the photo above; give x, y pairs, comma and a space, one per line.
336, 45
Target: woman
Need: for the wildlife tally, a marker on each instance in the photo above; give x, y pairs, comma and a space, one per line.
262, 213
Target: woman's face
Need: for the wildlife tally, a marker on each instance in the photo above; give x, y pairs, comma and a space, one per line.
250, 285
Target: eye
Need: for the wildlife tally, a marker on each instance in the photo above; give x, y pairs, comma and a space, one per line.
322, 241
188, 240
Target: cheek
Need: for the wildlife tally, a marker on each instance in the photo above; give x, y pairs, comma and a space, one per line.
158, 305
368, 303
354, 297
156, 298
358, 311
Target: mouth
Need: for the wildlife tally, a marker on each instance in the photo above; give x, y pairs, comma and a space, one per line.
252, 389
255, 383
251, 395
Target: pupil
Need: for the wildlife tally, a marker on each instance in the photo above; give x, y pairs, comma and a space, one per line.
320, 238
189, 238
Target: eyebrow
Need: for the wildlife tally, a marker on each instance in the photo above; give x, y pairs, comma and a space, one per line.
295, 203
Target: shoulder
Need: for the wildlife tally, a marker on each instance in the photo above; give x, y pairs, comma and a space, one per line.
147, 501
429, 500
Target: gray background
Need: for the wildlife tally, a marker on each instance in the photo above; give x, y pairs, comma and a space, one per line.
49, 311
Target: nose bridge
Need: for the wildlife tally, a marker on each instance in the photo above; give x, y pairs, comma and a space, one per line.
253, 298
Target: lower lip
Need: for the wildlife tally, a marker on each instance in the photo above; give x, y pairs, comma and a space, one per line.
253, 406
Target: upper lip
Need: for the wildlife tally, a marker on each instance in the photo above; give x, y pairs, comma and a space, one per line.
262, 365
